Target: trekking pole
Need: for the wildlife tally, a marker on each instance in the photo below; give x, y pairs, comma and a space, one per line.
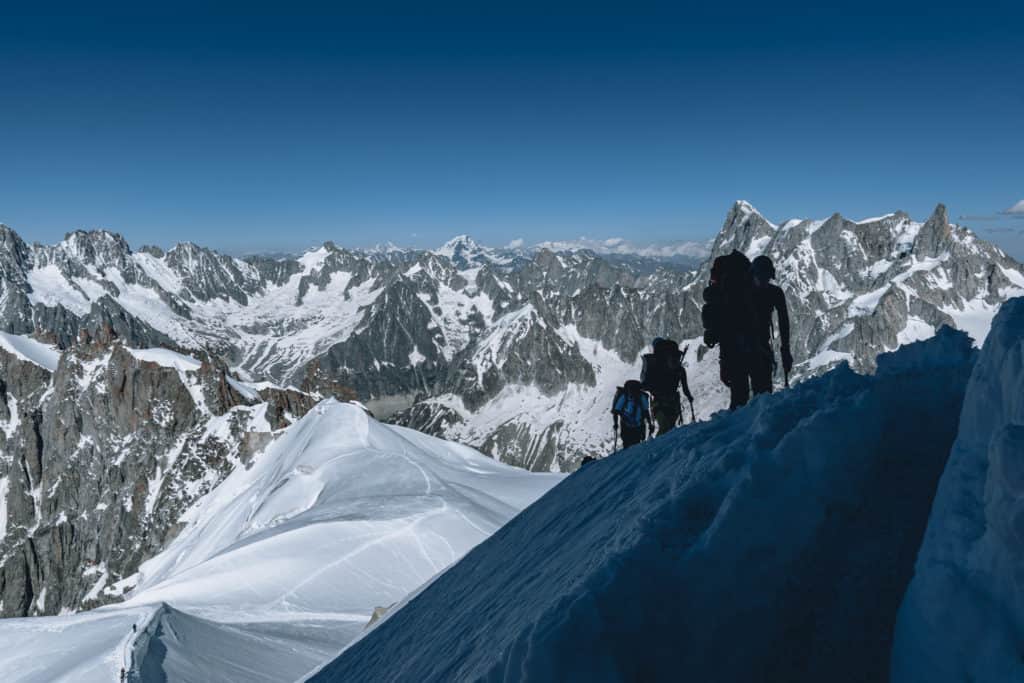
693, 415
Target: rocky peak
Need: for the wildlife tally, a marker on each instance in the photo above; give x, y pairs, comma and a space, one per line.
209, 275
99, 248
14, 256
744, 226
464, 252
934, 236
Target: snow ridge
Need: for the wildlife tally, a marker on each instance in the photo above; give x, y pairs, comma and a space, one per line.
285, 561
666, 561
964, 612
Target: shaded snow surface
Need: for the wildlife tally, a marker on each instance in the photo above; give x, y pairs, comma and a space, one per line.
963, 617
283, 564
771, 544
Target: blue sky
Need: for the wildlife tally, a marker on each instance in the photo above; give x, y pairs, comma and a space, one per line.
247, 128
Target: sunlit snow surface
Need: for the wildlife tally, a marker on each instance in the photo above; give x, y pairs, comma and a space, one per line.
283, 563
29, 349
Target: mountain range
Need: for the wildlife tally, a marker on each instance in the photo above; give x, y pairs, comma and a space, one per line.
135, 381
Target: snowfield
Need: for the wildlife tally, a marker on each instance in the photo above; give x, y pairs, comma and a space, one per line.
26, 348
284, 562
774, 543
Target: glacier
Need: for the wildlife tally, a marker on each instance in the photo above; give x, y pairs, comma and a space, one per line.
287, 559
772, 543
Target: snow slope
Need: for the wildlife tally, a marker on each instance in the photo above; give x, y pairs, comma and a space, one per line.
29, 349
963, 616
773, 543
284, 562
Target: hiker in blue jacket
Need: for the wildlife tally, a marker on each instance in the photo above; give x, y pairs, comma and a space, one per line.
631, 413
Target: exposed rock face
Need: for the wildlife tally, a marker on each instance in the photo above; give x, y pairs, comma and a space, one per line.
102, 457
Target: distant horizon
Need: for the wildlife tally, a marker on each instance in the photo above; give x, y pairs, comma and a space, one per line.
1009, 239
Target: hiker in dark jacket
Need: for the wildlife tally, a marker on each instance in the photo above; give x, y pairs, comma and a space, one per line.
631, 413
663, 374
768, 299
737, 316
730, 322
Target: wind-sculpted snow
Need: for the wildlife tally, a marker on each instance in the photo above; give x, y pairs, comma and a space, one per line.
963, 617
286, 560
769, 544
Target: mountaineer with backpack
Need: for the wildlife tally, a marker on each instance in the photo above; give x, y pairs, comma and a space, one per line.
662, 375
631, 413
737, 316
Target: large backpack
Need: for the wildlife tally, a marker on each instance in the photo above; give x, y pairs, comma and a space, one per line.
729, 313
663, 368
631, 404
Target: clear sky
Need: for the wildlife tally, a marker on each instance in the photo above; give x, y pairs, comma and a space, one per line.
277, 125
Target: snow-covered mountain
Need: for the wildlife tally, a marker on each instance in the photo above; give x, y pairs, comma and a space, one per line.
775, 543
513, 352
286, 560
855, 289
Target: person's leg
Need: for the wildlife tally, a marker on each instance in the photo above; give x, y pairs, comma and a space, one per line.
666, 416
739, 383
761, 372
631, 436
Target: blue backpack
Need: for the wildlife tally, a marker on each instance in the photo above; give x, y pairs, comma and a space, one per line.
631, 404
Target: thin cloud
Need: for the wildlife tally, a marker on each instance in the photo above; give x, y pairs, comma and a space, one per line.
1004, 231
1016, 210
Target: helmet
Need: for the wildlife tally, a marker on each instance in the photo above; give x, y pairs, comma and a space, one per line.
763, 268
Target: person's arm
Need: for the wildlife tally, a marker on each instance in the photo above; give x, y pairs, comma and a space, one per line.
783, 311
685, 384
